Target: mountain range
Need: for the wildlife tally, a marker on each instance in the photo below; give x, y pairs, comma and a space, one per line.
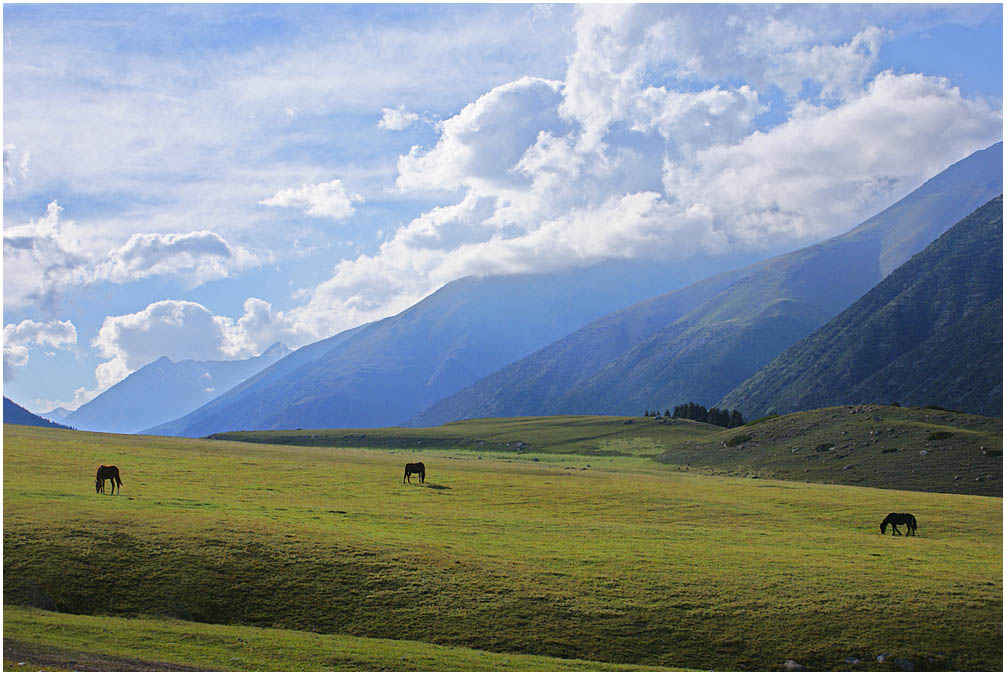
386, 372
164, 390
699, 343
929, 333
567, 342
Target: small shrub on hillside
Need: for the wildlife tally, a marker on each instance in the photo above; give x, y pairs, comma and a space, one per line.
822, 448
738, 440
939, 434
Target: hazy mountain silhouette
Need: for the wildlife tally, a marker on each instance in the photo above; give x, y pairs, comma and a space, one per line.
164, 390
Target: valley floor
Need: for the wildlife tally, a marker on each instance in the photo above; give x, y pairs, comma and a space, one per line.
610, 559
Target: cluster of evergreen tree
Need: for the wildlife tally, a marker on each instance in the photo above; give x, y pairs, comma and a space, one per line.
713, 416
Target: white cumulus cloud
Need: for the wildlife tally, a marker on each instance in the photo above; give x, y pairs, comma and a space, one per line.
18, 337
197, 256
46, 256
397, 119
324, 200
180, 330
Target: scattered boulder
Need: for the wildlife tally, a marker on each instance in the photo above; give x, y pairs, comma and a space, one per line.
852, 660
923, 453
791, 665
883, 657
904, 664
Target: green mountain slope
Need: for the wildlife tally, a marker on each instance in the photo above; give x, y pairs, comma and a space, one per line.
531, 385
716, 336
930, 333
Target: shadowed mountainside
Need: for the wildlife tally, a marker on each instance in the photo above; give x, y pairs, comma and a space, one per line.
16, 414
929, 333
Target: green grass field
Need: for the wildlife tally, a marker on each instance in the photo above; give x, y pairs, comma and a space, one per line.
919, 449
623, 562
213, 647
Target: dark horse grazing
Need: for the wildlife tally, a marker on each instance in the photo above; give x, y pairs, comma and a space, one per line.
110, 472
907, 520
414, 468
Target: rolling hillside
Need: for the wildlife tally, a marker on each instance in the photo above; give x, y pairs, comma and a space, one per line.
164, 390
15, 414
387, 371
710, 343
929, 333
877, 446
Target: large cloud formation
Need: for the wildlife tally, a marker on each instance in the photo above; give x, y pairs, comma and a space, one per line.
675, 130
607, 164
182, 330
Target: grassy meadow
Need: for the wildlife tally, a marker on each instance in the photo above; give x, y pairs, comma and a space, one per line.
613, 559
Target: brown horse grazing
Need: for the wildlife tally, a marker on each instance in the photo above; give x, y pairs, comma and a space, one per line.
896, 519
414, 468
110, 472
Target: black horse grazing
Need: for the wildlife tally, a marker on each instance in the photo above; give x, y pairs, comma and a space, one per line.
110, 472
414, 468
907, 520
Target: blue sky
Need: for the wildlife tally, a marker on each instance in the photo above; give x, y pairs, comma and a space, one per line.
199, 181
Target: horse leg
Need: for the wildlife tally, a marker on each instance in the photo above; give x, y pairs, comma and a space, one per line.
895, 530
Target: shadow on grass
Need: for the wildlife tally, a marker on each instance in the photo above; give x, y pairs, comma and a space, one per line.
438, 487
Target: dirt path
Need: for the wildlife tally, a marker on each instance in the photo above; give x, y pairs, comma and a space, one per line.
69, 660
